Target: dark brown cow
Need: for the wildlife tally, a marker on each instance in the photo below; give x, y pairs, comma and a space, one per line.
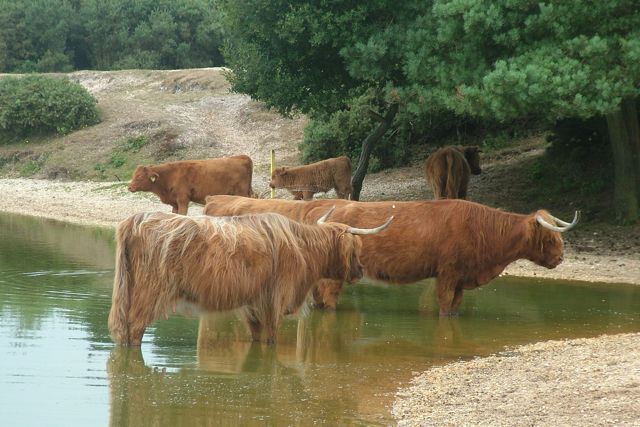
463, 244
448, 170
304, 181
265, 264
178, 183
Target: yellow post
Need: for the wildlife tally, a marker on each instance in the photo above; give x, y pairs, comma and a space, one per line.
273, 167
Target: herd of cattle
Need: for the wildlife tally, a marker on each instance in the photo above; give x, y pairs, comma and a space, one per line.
266, 256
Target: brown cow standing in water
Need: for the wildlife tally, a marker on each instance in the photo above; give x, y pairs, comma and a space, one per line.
448, 170
178, 183
304, 181
265, 264
462, 244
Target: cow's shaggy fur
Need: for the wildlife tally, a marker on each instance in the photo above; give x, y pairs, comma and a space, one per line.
448, 170
304, 181
178, 183
265, 264
463, 244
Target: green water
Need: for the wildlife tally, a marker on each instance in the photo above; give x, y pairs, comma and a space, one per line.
59, 367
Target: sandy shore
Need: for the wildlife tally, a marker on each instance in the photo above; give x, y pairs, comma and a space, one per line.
576, 382
581, 382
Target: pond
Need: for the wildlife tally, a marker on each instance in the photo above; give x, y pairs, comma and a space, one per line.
59, 366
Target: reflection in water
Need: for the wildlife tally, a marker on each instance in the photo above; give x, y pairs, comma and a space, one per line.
59, 364
222, 343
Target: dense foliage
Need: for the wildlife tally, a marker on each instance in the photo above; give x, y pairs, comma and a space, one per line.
445, 61
579, 158
40, 104
64, 35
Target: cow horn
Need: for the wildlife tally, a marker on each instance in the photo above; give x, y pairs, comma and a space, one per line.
566, 226
324, 217
354, 230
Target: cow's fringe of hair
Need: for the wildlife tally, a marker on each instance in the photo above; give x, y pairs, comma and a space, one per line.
120, 295
163, 258
495, 227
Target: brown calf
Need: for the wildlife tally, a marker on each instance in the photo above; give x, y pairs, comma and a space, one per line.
304, 181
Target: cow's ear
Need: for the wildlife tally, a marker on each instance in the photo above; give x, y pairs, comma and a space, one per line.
153, 177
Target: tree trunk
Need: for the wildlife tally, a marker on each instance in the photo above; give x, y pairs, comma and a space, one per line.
367, 146
624, 133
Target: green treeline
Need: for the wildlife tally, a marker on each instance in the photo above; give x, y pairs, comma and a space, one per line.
66, 35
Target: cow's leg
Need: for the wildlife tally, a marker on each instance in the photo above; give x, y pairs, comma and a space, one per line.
183, 206
256, 329
439, 186
297, 195
145, 307
326, 293
457, 300
343, 193
135, 335
138, 320
446, 294
271, 323
174, 208
462, 192
307, 195
254, 322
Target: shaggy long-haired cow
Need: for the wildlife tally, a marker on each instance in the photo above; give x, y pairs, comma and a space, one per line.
265, 264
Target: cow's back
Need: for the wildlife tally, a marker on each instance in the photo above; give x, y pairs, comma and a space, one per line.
321, 176
200, 178
447, 171
410, 249
229, 175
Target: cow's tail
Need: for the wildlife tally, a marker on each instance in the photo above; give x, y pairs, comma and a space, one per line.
120, 300
452, 176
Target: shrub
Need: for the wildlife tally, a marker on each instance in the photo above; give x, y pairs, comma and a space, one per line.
37, 104
342, 133
578, 159
135, 143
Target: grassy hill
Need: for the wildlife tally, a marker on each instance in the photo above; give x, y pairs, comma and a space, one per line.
152, 117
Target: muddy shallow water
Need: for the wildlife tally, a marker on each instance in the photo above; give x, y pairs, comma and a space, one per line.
59, 366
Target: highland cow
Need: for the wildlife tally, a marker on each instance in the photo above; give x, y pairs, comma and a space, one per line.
462, 244
264, 264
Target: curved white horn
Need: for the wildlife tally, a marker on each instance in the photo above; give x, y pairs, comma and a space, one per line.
572, 224
566, 226
354, 230
324, 217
